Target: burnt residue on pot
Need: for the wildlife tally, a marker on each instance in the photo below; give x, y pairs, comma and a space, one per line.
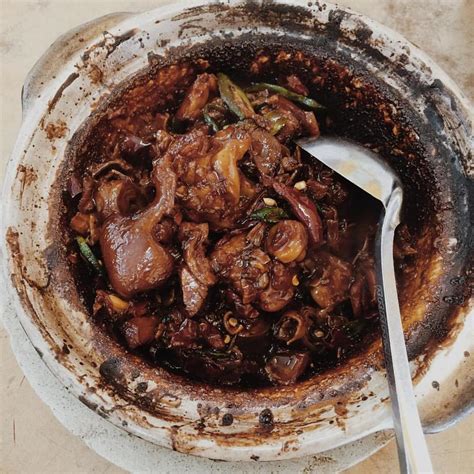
93, 406
227, 419
110, 371
265, 419
22, 276
69, 80
56, 129
93, 60
26, 175
109, 42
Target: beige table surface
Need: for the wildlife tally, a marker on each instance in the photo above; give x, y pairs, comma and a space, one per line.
31, 439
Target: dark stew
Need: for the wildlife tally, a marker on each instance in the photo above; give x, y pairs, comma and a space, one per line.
218, 248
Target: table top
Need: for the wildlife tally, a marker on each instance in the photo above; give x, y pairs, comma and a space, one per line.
31, 439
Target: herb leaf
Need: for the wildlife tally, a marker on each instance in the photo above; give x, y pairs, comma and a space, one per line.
89, 256
234, 97
277, 121
209, 120
269, 214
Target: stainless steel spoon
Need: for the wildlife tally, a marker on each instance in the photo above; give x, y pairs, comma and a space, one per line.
366, 170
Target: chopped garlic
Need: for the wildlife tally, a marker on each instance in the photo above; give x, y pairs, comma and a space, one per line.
118, 303
269, 202
300, 185
233, 322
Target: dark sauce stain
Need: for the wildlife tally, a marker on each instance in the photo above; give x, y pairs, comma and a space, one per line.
435, 385
39, 352
335, 18
71, 78
93, 406
173, 434
363, 33
118, 40
52, 255
121, 39
162, 43
265, 419
111, 370
135, 374
434, 118
142, 387
454, 300
102, 413
227, 419
201, 425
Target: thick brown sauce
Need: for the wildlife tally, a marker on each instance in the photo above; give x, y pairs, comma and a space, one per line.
228, 254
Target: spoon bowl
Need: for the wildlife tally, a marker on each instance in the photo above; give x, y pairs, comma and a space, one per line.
357, 164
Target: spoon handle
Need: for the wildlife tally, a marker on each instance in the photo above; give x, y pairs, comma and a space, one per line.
413, 452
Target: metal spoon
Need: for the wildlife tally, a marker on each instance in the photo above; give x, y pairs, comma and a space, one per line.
366, 170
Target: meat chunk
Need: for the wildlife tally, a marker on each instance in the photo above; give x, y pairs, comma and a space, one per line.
306, 120
86, 203
197, 97
252, 274
332, 287
210, 182
280, 290
165, 231
246, 311
266, 152
196, 274
226, 253
242, 265
74, 186
287, 241
139, 331
194, 240
114, 307
86, 225
294, 84
292, 327
225, 370
134, 260
118, 196
186, 336
194, 292
132, 145
211, 336
286, 367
